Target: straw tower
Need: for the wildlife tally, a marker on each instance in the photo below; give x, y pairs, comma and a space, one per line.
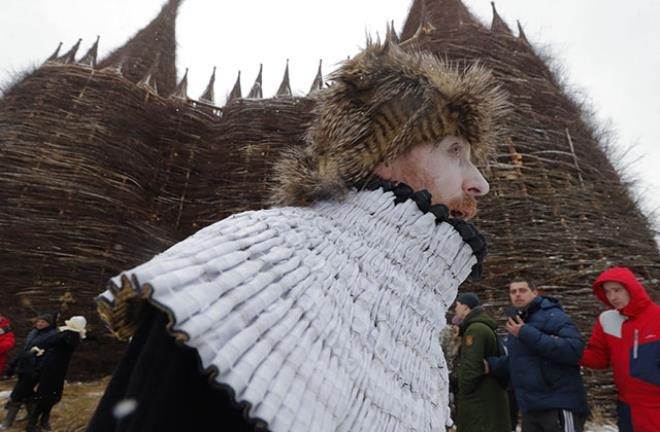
103, 165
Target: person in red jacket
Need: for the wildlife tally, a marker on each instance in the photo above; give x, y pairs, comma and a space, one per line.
627, 337
7, 342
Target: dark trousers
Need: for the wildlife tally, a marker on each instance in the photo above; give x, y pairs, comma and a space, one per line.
513, 407
554, 420
623, 417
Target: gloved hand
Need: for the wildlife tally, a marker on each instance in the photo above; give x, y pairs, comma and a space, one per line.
37, 351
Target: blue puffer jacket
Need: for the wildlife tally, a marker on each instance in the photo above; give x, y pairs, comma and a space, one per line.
543, 359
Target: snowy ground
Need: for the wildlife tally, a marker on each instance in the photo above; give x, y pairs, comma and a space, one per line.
80, 400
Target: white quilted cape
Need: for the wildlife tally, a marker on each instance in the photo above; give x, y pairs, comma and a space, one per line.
324, 318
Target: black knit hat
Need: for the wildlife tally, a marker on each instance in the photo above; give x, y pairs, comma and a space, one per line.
49, 317
469, 299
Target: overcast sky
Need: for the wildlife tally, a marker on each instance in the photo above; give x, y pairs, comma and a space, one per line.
607, 48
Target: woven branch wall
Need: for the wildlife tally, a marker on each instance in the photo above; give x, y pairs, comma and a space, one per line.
557, 211
98, 174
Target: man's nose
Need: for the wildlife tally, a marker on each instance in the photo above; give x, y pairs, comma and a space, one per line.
474, 183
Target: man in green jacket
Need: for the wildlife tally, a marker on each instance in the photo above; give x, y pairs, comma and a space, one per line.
483, 405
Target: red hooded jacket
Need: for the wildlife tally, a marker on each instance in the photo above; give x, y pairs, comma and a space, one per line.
629, 340
7, 342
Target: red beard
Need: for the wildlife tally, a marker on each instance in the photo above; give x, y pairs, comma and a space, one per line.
464, 207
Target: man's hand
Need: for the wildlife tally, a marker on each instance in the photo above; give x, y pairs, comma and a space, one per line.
513, 325
37, 351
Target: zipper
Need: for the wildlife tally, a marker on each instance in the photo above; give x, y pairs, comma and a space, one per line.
636, 344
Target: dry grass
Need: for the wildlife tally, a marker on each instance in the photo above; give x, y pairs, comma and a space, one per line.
72, 413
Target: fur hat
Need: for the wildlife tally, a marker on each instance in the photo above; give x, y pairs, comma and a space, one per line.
383, 102
469, 299
76, 323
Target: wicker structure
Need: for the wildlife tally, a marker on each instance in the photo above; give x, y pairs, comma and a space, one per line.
558, 210
103, 165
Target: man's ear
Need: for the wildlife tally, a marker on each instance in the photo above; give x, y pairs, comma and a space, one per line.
384, 170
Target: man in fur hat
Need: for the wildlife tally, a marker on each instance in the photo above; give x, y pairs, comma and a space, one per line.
320, 313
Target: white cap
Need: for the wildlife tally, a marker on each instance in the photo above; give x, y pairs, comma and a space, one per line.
77, 324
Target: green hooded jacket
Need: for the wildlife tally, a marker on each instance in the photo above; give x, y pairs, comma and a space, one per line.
482, 402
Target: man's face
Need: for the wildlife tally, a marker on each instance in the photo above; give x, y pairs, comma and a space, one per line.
616, 294
41, 324
461, 310
445, 169
521, 294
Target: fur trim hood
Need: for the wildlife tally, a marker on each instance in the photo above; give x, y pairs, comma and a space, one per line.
383, 102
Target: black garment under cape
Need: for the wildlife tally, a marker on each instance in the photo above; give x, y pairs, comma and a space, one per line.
171, 392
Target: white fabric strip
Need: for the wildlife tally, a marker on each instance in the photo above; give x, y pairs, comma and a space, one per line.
324, 318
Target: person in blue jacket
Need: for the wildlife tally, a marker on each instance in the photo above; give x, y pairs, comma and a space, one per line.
544, 347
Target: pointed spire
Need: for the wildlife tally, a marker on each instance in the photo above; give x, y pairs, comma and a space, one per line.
54, 55
209, 94
391, 33
498, 25
181, 91
439, 14
89, 58
236, 90
425, 25
285, 86
317, 84
521, 34
117, 67
149, 80
69, 56
156, 39
256, 91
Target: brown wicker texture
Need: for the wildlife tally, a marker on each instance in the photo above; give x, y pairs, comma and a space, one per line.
558, 210
99, 171
99, 174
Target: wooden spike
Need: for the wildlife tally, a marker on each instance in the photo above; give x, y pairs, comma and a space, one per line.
498, 25
69, 56
54, 55
317, 84
256, 92
521, 34
89, 58
236, 90
209, 94
181, 91
285, 86
148, 81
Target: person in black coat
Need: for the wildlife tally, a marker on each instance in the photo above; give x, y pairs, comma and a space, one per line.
27, 365
58, 350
